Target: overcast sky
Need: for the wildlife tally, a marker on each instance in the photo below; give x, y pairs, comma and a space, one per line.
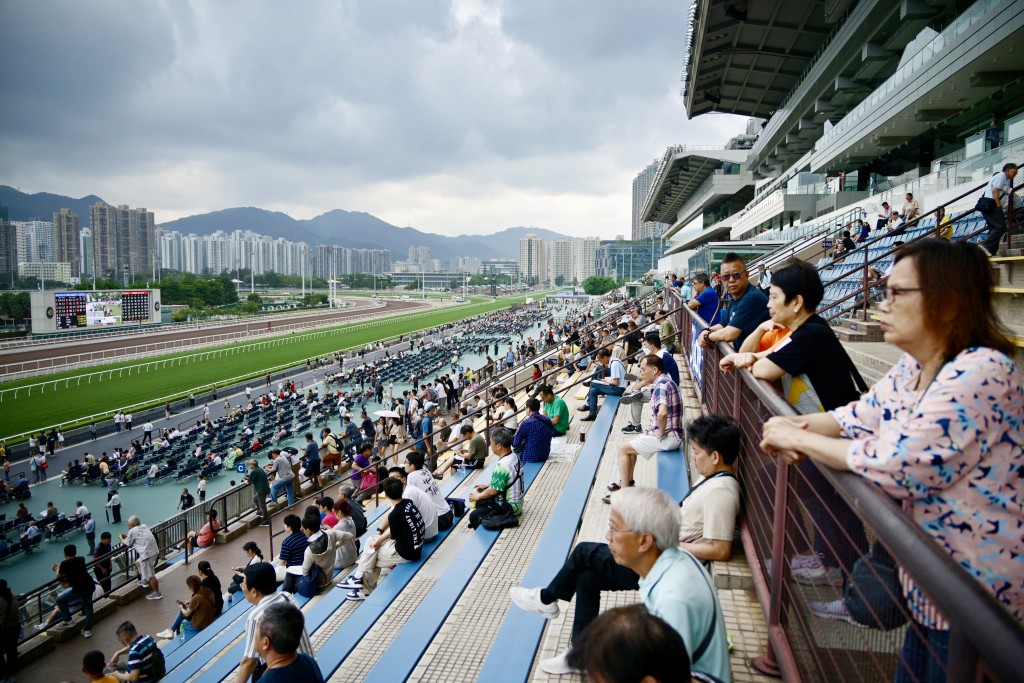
466, 116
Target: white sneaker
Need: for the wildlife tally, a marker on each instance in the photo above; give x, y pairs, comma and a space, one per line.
154, 596
558, 666
86, 633
528, 600
166, 634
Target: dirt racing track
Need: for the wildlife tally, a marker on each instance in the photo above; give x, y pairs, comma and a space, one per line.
58, 355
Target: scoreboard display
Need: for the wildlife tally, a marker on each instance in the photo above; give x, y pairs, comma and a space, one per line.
60, 311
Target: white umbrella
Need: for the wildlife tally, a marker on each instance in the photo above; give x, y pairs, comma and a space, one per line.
387, 413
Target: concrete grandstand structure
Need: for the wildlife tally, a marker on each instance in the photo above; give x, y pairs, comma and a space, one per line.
861, 101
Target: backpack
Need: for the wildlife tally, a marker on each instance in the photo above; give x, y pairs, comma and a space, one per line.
431, 394
159, 665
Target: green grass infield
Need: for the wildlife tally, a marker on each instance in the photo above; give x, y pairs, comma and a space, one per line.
69, 398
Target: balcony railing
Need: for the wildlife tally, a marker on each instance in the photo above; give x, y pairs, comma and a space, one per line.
793, 509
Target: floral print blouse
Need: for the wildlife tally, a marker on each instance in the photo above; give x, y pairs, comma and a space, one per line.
956, 453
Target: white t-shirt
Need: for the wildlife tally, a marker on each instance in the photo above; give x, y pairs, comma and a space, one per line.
426, 508
422, 480
999, 182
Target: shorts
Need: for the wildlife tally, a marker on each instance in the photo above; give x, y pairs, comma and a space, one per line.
147, 568
331, 460
648, 445
312, 468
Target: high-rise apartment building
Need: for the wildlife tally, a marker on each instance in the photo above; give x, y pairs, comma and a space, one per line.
67, 238
586, 258
124, 240
643, 184
8, 248
35, 241
421, 257
533, 259
85, 250
561, 262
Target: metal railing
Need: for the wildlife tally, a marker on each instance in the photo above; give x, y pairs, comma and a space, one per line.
803, 509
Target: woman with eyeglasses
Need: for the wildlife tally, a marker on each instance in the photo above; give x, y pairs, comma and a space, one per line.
943, 431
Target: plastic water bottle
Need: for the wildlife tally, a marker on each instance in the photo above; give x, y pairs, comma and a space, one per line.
181, 629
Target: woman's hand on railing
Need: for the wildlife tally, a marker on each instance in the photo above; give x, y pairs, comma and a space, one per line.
780, 436
737, 360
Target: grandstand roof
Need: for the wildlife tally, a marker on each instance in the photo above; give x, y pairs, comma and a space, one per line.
683, 170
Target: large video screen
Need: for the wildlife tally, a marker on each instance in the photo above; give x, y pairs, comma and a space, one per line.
100, 309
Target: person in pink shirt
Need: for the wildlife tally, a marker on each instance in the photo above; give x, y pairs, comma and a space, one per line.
943, 432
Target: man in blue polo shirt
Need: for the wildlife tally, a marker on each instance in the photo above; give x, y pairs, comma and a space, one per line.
748, 310
705, 301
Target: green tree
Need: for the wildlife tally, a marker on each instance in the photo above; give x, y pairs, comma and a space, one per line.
596, 285
415, 284
254, 298
559, 280
477, 281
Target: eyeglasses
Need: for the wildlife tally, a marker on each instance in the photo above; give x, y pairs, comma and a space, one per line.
889, 294
733, 276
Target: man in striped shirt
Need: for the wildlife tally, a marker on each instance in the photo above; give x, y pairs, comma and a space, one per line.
260, 588
139, 649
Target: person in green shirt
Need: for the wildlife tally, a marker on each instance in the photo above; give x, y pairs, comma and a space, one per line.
556, 409
260, 488
667, 331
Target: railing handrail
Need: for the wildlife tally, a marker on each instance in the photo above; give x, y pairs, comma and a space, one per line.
992, 631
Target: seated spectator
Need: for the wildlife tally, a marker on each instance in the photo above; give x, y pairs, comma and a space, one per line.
532, 441
279, 635
665, 427
555, 408
953, 403
401, 541
631, 645
642, 553
424, 505
506, 480
911, 208
638, 393
613, 383
63, 611
206, 536
252, 554
293, 547
347, 551
139, 649
346, 493
211, 581
318, 557
196, 614
93, 665
418, 477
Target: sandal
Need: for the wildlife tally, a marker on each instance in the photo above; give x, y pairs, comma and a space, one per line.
614, 486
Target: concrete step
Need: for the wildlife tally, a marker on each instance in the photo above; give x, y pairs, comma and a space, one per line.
846, 334
873, 359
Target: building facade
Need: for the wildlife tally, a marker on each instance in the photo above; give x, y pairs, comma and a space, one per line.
67, 238
123, 240
533, 259
586, 257
627, 259
561, 262
643, 184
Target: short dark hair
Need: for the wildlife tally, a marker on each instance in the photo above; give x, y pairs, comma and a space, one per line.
1009, 167
415, 458
503, 436
533, 404
309, 436
733, 257
393, 488
654, 360
716, 433
311, 523
261, 577
628, 644
396, 472
653, 337
327, 502
365, 446
800, 278
94, 662
467, 429
604, 353
282, 624
70, 550
702, 278
546, 390
293, 522
125, 628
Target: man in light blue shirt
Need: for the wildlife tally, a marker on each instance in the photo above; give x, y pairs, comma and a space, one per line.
642, 552
613, 384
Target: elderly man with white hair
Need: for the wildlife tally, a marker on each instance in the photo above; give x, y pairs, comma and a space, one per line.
642, 553
142, 540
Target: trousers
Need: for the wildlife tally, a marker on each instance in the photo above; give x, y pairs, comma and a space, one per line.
589, 570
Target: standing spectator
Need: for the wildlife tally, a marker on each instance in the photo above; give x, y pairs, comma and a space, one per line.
139, 649
260, 490
118, 422
115, 507
186, 500
533, 437
401, 541
953, 403
280, 633
147, 550
281, 468
994, 204
748, 310
128, 422
147, 433
425, 435
92, 430
312, 457
260, 588
10, 627
90, 533
103, 567
35, 464
201, 488
167, 410
705, 302
764, 280
192, 400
